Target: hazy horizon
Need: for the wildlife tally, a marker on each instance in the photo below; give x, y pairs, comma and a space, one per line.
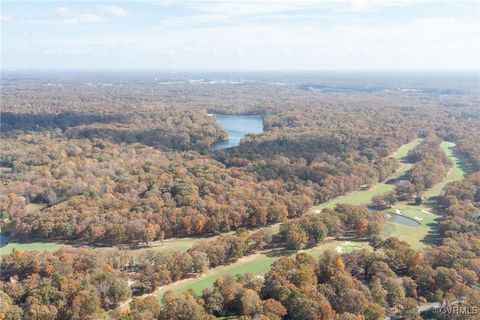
238, 71
279, 35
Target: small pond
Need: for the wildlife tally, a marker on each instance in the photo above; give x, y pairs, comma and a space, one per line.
237, 127
3, 240
401, 182
396, 218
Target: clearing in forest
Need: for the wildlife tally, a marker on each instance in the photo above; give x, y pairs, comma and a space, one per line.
424, 235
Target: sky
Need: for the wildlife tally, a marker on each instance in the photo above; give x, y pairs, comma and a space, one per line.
241, 35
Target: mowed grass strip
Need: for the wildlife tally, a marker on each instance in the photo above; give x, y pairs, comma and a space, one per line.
169, 245
34, 246
256, 264
413, 235
421, 214
31, 246
340, 246
416, 236
456, 173
357, 198
178, 245
402, 152
365, 196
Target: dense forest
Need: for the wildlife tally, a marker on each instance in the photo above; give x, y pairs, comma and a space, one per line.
79, 283
129, 161
131, 193
133, 172
107, 273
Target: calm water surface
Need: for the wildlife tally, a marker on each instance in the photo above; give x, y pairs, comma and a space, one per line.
237, 127
398, 218
404, 220
3, 240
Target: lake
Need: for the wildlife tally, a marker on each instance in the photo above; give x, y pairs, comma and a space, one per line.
237, 127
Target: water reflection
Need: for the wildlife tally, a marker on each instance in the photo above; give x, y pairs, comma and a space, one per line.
237, 127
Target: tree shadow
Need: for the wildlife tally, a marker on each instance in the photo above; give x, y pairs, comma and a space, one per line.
279, 252
461, 161
11, 121
433, 236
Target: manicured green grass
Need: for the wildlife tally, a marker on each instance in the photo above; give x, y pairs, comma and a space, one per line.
340, 246
402, 152
415, 236
420, 213
35, 246
456, 173
257, 264
357, 198
179, 245
365, 196
355, 247
418, 237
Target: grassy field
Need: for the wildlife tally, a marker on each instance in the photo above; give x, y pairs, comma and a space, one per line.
456, 173
180, 245
177, 245
339, 246
34, 246
357, 198
257, 264
365, 196
402, 152
417, 237
424, 235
